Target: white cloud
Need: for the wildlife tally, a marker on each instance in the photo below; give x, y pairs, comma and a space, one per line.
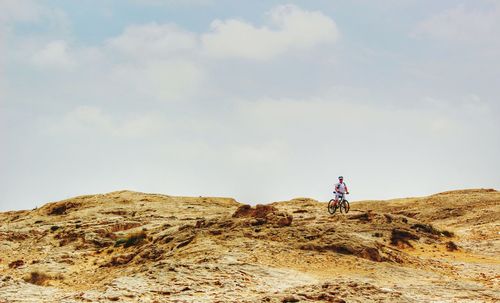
262, 154
173, 2
44, 46
28, 11
167, 80
54, 54
291, 28
3, 60
153, 41
313, 118
163, 62
463, 24
19, 10
155, 61
466, 105
92, 120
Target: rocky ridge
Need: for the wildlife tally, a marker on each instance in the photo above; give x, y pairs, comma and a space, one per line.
136, 247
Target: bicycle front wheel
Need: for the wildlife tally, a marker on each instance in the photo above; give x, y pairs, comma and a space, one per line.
332, 208
344, 206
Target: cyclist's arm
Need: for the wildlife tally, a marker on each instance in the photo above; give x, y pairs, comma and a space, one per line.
346, 190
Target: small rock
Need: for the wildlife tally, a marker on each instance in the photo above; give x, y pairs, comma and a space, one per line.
289, 299
16, 264
451, 246
285, 221
200, 223
258, 221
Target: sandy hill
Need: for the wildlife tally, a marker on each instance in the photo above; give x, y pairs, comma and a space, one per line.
136, 247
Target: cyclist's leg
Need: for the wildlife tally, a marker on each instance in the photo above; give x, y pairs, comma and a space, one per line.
337, 196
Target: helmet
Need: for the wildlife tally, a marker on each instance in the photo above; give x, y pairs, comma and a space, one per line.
340, 177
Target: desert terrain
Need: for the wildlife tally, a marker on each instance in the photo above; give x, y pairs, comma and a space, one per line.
136, 247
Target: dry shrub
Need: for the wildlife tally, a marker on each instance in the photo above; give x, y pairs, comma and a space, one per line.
260, 211
447, 233
38, 278
132, 239
124, 226
370, 253
263, 214
401, 238
16, 264
61, 208
120, 260
451, 246
428, 228
365, 217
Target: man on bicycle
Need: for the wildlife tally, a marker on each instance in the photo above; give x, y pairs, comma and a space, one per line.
340, 189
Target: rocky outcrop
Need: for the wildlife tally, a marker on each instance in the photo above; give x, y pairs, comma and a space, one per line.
264, 214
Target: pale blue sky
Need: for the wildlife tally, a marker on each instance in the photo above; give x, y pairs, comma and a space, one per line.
258, 100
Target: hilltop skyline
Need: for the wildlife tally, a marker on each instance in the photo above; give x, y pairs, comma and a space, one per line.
258, 101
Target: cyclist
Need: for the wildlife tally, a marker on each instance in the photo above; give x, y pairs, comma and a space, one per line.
340, 189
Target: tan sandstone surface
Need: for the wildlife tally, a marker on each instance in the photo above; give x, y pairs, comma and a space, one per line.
135, 247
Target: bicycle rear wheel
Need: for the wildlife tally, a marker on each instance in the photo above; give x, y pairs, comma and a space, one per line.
332, 208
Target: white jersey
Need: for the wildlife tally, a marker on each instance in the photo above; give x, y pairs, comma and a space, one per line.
341, 188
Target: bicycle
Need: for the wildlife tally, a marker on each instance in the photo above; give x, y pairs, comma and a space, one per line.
342, 204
